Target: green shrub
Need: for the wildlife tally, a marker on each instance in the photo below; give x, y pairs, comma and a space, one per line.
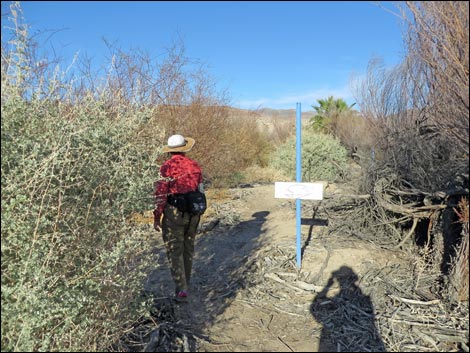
74, 167
72, 267
323, 157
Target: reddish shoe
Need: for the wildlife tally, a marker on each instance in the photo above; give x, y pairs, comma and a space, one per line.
182, 296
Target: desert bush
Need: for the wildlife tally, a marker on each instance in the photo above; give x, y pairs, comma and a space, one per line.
459, 287
282, 129
69, 260
419, 153
323, 157
225, 144
418, 113
352, 130
72, 267
186, 101
277, 125
419, 109
438, 47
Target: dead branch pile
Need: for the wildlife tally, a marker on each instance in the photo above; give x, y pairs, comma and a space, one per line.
414, 309
390, 204
396, 215
410, 319
385, 309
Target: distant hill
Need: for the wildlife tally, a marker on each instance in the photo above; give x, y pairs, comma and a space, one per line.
277, 122
271, 113
285, 113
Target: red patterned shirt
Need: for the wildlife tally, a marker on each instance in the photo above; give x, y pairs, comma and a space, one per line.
180, 175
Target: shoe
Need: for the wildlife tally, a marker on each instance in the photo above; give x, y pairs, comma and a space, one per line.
181, 296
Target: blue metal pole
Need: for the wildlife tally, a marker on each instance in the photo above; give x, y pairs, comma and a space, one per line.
298, 170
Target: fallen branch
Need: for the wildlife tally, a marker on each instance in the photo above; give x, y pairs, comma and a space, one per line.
346, 196
417, 302
408, 235
275, 278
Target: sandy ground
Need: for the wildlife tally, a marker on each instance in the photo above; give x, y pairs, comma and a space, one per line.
247, 293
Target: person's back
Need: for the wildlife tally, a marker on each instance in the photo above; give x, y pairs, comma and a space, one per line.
179, 176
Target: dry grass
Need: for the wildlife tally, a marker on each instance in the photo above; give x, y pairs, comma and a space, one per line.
459, 274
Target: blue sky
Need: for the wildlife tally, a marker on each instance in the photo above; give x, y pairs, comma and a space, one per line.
267, 54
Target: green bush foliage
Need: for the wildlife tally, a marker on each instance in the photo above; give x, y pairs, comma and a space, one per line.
71, 264
73, 268
323, 157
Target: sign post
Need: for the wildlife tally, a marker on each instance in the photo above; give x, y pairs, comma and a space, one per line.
298, 178
298, 190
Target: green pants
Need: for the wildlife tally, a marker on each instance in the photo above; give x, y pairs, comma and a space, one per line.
179, 233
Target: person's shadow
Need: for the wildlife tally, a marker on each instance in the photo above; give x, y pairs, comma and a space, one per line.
347, 316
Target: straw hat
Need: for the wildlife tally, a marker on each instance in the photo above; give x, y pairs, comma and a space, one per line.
178, 143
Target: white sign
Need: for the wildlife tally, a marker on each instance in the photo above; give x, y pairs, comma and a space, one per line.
303, 191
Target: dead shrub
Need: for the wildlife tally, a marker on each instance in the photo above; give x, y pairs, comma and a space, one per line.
438, 44
459, 275
354, 132
224, 144
418, 113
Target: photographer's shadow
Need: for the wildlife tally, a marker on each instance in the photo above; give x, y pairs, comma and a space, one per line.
347, 316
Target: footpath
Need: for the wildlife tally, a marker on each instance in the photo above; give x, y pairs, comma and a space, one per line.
246, 291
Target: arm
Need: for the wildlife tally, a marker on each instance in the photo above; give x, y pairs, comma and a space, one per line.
161, 192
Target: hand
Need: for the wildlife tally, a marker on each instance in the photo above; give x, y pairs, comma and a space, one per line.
157, 226
156, 220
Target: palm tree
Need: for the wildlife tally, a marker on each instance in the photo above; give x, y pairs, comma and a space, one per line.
327, 113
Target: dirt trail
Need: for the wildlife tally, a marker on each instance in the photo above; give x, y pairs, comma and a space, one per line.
246, 292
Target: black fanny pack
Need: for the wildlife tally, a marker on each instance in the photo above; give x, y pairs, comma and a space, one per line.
177, 200
193, 202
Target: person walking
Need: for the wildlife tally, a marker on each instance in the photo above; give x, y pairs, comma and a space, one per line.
179, 176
